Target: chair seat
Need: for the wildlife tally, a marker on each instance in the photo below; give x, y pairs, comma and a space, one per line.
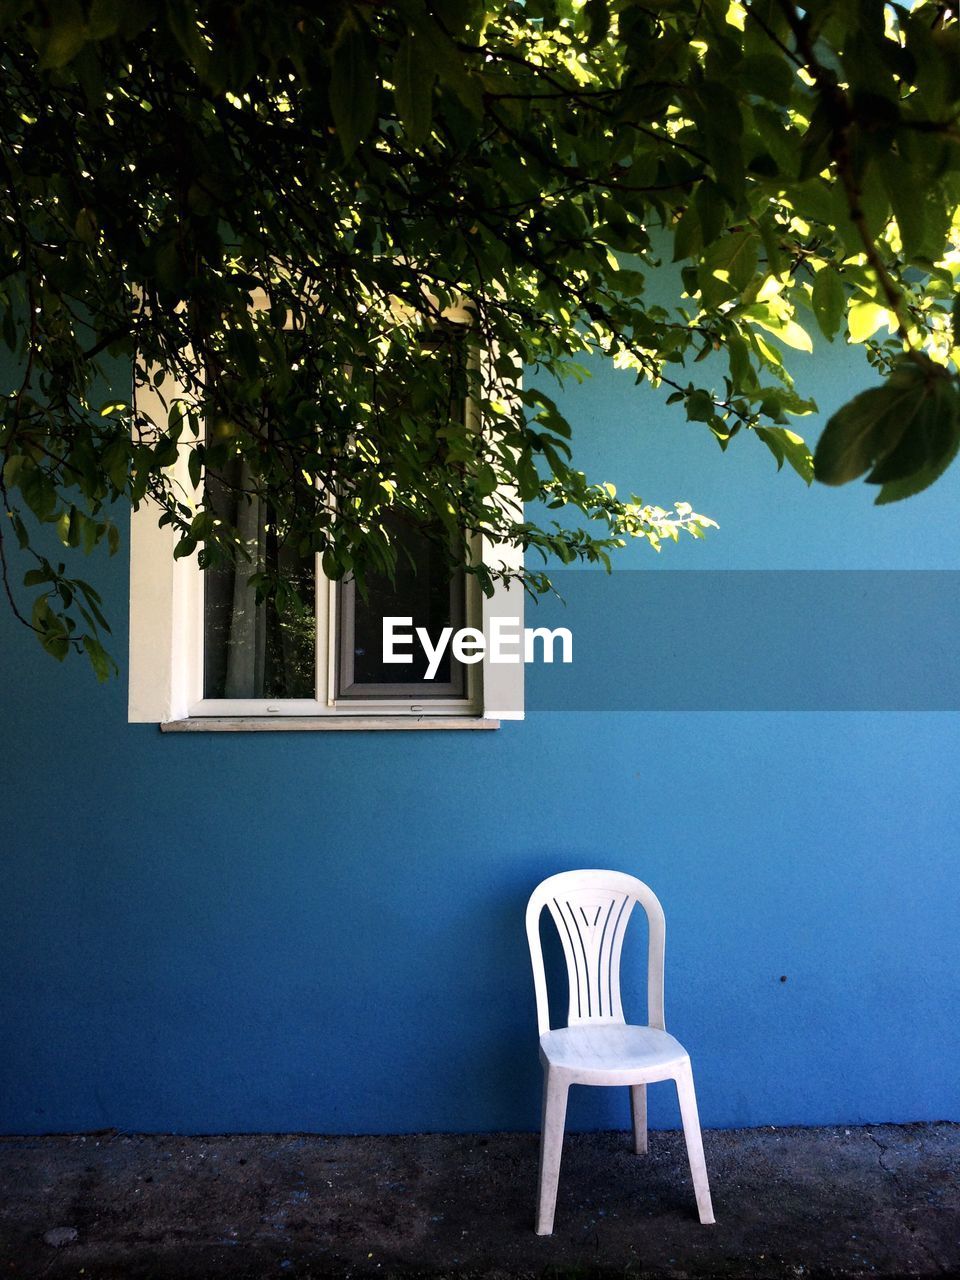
611, 1053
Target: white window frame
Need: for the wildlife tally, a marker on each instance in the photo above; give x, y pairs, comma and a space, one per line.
166, 639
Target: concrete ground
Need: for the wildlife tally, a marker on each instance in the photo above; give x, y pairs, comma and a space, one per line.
817, 1203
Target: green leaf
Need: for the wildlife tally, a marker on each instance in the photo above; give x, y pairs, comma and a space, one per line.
721, 124
185, 547
711, 210
871, 425
699, 406
784, 327
20, 529
768, 75
907, 204
528, 482
90, 531
103, 665
687, 236
39, 492
115, 460
771, 245
864, 319
66, 36
926, 448
829, 301
56, 644
105, 18
446, 60
598, 16
815, 146
897, 490
874, 201
742, 373
787, 446
12, 468
353, 87
85, 227
736, 255
413, 80
182, 21
93, 601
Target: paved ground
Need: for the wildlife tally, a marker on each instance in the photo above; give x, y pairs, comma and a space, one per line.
817, 1203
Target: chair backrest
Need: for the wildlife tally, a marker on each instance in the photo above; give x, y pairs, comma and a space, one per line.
591, 910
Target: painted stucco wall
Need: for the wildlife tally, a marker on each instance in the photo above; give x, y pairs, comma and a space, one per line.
325, 932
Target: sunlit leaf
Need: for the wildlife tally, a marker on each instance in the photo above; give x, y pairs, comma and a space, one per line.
864, 319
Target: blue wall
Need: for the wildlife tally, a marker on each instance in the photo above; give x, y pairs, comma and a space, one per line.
324, 932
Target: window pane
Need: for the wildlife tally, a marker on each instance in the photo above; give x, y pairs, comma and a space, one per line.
422, 590
251, 650
423, 587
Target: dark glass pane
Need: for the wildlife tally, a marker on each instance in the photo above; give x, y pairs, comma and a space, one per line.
251, 650
422, 590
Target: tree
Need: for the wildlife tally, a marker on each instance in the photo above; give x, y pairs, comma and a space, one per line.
368, 165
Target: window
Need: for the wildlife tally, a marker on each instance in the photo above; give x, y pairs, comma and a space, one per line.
424, 591
203, 653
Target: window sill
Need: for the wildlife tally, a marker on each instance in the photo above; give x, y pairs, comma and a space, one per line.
312, 724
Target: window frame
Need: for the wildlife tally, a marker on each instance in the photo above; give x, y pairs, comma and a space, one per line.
329, 636
463, 609
167, 621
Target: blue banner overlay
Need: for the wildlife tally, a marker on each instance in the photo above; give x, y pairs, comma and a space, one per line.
760, 640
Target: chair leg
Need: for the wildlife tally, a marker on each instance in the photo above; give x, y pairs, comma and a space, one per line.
691, 1132
638, 1112
555, 1090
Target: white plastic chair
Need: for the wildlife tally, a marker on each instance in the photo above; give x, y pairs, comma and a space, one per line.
591, 910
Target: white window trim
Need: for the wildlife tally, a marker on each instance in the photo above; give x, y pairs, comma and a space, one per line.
166, 643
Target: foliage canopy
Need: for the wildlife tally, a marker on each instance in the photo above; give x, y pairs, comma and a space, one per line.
363, 167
